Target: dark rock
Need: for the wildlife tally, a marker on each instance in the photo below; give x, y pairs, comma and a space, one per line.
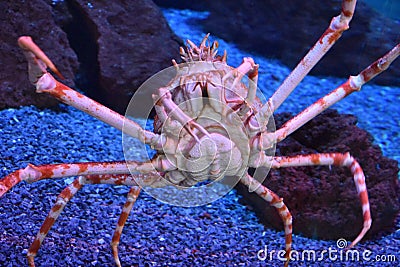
32, 18
193, 5
119, 45
287, 31
323, 201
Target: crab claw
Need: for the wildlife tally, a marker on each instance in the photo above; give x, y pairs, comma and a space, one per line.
37, 59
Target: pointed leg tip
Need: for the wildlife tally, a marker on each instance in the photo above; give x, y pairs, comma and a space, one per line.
24, 41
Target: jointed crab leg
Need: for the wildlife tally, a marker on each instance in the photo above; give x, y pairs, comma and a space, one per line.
353, 84
89, 173
337, 159
276, 202
251, 69
253, 76
130, 201
55, 211
326, 41
176, 113
34, 173
65, 196
45, 82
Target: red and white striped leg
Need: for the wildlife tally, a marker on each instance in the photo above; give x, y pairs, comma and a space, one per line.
45, 83
65, 196
34, 173
353, 84
55, 211
130, 201
337, 26
336, 159
277, 202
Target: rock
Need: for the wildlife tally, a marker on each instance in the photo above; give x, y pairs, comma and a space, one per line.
32, 18
287, 31
119, 46
323, 201
193, 5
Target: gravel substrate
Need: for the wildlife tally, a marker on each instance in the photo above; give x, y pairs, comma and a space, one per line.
223, 233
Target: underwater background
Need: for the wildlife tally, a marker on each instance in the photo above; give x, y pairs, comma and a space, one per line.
223, 233
390, 8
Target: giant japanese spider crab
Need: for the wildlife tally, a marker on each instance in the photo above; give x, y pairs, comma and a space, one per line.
210, 127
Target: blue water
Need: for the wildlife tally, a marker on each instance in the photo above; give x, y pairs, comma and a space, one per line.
389, 8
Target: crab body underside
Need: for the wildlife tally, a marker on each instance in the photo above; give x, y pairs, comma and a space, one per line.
210, 127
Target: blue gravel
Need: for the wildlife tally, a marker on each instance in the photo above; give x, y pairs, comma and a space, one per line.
223, 233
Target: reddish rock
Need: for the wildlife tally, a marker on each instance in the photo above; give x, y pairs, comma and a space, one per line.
287, 31
323, 201
119, 44
32, 18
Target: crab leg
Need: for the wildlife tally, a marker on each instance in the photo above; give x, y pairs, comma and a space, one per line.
45, 82
353, 84
337, 26
176, 113
130, 201
34, 173
65, 196
251, 69
55, 211
336, 159
276, 202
